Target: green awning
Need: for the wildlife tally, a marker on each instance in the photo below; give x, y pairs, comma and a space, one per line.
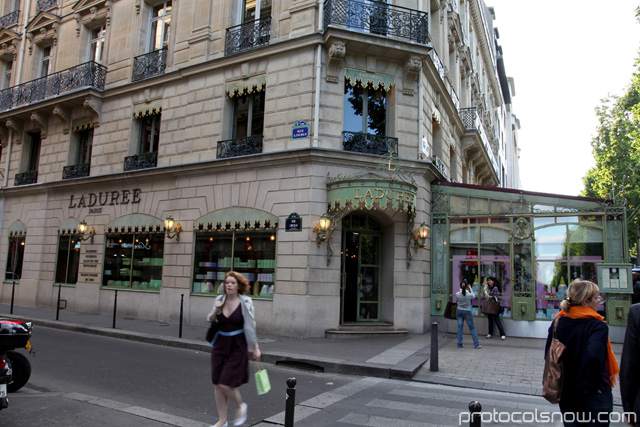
359, 78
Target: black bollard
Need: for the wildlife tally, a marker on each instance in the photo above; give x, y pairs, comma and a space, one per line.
115, 308
476, 414
291, 402
13, 293
58, 304
434, 348
181, 312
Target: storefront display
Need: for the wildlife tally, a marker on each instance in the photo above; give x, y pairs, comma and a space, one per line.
134, 261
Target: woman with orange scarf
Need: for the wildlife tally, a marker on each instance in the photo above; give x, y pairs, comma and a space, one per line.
590, 367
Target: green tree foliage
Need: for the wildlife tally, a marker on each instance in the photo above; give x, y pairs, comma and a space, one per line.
616, 149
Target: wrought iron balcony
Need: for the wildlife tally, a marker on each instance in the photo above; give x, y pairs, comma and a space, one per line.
378, 18
25, 178
369, 144
439, 164
438, 63
87, 75
46, 5
140, 161
247, 36
471, 121
240, 147
149, 65
76, 171
9, 19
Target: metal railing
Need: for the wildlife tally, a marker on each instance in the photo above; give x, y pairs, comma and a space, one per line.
76, 171
141, 161
87, 75
439, 164
369, 144
378, 18
239, 147
9, 19
454, 98
149, 65
46, 5
437, 63
25, 178
471, 121
247, 36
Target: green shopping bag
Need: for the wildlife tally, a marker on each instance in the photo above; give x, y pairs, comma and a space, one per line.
263, 385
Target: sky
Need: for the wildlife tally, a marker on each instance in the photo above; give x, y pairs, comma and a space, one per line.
565, 56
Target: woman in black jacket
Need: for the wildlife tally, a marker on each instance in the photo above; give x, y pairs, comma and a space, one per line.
590, 367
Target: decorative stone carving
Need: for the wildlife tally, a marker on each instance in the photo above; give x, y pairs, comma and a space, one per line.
63, 116
337, 51
40, 122
94, 106
16, 127
412, 69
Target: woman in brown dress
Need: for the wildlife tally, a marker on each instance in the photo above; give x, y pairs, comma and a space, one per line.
229, 355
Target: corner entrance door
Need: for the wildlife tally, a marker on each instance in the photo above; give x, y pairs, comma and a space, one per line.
361, 290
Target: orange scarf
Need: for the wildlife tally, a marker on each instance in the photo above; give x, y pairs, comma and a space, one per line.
582, 312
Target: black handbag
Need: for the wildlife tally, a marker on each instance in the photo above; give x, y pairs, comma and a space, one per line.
450, 310
214, 327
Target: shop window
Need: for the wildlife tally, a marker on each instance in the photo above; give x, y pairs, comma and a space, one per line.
68, 260
252, 253
134, 260
15, 257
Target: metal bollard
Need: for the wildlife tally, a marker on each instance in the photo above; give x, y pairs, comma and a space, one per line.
181, 312
115, 308
290, 403
476, 414
13, 294
58, 303
433, 357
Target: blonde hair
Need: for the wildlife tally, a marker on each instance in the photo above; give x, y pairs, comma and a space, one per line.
243, 283
578, 292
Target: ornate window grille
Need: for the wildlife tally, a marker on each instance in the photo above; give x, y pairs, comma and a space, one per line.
25, 178
247, 36
369, 144
471, 121
141, 161
76, 171
87, 75
378, 18
240, 147
149, 65
9, 19
46, 5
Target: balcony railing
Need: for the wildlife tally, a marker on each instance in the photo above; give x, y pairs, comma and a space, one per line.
25, 178
76, 171
378, 18
87, 75
240, 147
141, 161
149, 65
9, 19
439, 164
247, 36
455, 99
46, 5
471, 121
369, 144
437, 63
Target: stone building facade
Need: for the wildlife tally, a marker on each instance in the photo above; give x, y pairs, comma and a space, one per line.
246, 122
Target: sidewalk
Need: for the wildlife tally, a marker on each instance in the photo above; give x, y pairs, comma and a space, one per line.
514, 365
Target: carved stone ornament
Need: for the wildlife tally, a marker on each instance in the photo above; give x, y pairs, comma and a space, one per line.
94, 106
411, 72
16, 127
40, 121
63, 116
337, 52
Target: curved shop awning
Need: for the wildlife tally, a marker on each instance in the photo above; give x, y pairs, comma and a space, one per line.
371, 193
239, 219
246, 86
147, 108
359, 78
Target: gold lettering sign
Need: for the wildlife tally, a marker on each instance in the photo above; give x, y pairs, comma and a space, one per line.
372, 194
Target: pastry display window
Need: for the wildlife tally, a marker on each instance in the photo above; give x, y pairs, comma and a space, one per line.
134, 261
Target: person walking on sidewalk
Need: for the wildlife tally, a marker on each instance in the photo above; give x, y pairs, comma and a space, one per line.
464, 296
630, 368
590, 367
494, 292
229, 355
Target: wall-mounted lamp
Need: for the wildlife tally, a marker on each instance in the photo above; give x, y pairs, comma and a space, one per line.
420, 236
169, 230
82, 228
321, 228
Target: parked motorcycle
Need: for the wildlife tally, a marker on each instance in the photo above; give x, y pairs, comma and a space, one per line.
15, 369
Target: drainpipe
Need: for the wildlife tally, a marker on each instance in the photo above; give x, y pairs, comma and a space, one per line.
316, 108
420, 113
23, 44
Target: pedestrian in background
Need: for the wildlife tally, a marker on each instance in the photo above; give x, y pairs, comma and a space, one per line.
464, 296
635, 299
229, 355
493, 293
590, 367
630, 367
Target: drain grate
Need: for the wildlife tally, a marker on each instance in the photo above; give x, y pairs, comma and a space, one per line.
301, 366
